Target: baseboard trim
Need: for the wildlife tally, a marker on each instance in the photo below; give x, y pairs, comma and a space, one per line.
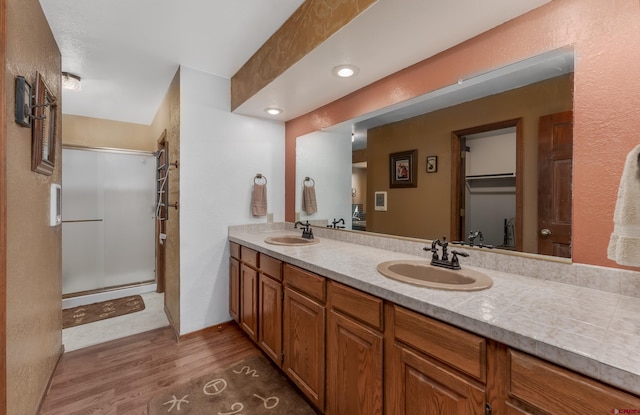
207, 330
50, 381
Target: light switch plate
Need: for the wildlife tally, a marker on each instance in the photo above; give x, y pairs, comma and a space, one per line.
55, 217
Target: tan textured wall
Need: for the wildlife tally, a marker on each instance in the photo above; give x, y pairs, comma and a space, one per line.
423, 212
97, 132
310, 25
34, 264
168, 117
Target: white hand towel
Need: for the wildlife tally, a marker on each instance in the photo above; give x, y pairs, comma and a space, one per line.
624, 245
259, 200
309, 204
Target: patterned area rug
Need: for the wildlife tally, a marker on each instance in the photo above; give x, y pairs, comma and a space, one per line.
252, 386
99, 311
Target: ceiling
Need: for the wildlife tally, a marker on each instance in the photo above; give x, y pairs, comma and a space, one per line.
127, 51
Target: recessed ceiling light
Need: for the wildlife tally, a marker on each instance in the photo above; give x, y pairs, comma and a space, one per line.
345, 71
273, 111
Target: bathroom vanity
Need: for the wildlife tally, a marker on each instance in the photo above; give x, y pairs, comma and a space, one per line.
356, 342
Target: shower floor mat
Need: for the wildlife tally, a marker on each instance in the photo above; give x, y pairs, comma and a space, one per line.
89, 313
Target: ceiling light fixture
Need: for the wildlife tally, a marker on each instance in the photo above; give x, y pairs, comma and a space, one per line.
71, 81
345, 71
273, 111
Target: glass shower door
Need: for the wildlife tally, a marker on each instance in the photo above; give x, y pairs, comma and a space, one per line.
108, 224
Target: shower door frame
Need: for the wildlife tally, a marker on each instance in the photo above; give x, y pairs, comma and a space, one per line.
120, 286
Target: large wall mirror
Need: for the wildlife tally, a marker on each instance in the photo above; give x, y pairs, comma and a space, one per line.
483, 133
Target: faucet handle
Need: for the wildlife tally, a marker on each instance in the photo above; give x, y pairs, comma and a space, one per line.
454, 258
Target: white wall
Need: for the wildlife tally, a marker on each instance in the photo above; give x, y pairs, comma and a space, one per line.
326, 158
220, 153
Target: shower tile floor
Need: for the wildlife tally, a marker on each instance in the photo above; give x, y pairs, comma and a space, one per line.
152, 317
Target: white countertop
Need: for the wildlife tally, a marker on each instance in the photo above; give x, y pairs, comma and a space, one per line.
592, 332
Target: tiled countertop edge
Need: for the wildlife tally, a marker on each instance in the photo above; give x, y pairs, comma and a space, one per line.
612, 280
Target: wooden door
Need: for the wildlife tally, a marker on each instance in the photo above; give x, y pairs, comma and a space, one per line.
555, 159
304, 341
249, 301
354, 368
234, 289
417, 385
270, 318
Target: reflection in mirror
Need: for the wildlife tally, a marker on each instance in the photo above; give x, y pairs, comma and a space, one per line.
490, 188
325, 159
525, 91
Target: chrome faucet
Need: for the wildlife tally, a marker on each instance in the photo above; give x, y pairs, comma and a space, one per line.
443, 261
307, 232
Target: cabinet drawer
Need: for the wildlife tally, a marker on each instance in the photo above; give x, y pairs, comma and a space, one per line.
463, 351
306, 282
249, 256
365, 308
557, 390
234, 250
271, 266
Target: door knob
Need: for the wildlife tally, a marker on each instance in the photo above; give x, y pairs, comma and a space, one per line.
545, 232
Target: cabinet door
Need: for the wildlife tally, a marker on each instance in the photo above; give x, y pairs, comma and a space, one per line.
249, 301
419, 385
270, 318
304, 358
354, 368
234, 289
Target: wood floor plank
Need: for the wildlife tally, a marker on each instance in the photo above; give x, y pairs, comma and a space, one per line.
121, 376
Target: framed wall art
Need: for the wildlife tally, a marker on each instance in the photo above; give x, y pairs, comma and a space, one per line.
43, 142
403, 169
432, 164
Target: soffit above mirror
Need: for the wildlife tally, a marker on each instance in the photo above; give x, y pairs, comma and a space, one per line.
386, 38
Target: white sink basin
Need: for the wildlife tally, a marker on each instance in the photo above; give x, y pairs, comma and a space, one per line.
422, 273
290, 240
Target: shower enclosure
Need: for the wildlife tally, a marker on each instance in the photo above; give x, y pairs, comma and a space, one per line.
108, 222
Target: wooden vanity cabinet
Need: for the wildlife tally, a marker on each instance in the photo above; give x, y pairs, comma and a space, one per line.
354, 352
383, 358
304, 332
531, 386
431, 367
234, 281
249, 292
270, 297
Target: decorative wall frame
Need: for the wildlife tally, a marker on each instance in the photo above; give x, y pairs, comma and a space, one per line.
43, 142
432, 164
403, 169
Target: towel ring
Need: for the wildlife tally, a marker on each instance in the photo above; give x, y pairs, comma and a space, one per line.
258, 177
308, 179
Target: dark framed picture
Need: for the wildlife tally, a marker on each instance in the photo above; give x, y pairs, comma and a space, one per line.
432, 164
403, 169
43, 142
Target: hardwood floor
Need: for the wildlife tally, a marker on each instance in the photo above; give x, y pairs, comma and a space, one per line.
121, 376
